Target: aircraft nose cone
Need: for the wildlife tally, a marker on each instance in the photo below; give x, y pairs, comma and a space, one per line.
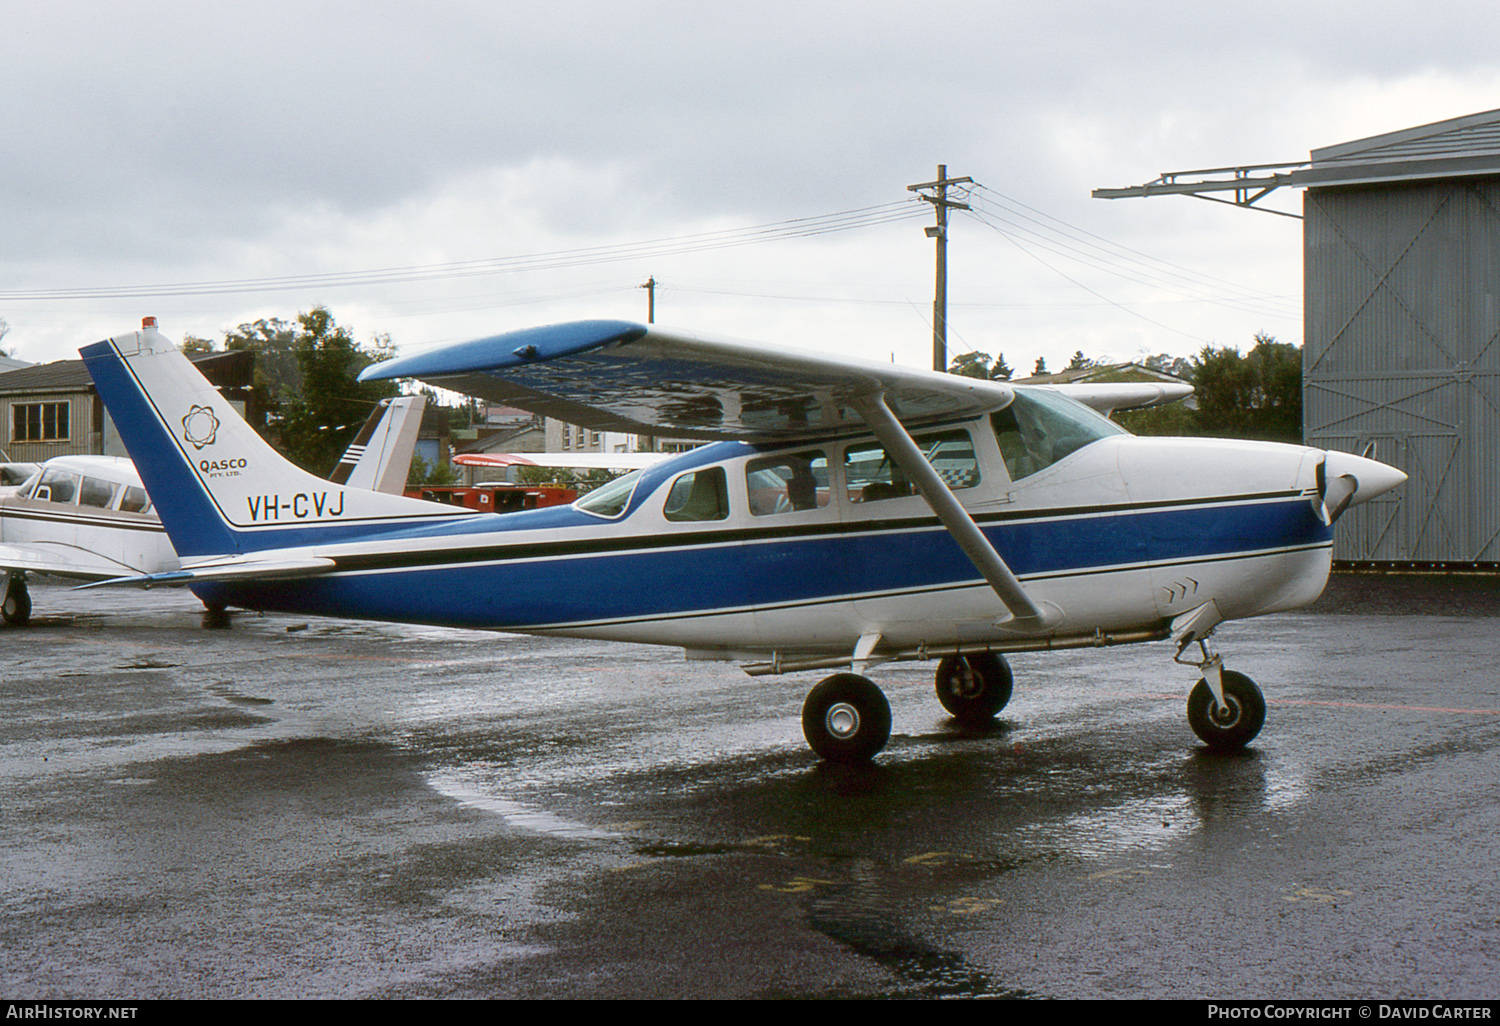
1373, 477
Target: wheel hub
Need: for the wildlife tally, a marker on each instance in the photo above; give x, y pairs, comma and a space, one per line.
842, 720
1226, 717
963, 682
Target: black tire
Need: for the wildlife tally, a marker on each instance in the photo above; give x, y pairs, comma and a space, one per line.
17, 606
973, 688
1247, 712
846, 719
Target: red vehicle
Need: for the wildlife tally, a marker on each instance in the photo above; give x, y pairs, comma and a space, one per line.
496, 497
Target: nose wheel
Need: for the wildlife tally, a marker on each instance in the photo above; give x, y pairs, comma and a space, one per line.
1233, 724
1225, 709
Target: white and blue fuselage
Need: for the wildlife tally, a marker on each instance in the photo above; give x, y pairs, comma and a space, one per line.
801, 549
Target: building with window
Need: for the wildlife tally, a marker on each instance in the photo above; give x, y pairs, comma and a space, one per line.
1401, 318
51, 409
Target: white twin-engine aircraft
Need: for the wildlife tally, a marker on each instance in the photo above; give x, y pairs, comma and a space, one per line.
850, 513
89, 518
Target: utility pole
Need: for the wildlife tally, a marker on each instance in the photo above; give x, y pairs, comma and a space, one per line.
647, 443
650, 288
941, 205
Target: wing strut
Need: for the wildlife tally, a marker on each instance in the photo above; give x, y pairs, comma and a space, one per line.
1028, 616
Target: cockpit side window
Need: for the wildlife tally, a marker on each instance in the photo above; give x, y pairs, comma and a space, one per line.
871, 474
699, 495
1039, 428
56, 485
787, 482
609, 500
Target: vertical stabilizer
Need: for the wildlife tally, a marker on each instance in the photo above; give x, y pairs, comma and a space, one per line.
379, 458
218, 487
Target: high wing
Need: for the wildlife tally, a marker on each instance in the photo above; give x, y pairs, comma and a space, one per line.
569, 460
623, 376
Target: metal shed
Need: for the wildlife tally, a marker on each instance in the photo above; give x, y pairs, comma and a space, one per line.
1401, 244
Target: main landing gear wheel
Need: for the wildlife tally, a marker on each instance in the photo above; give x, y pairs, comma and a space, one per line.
973, 688
846, 719
17, 606
1226, 730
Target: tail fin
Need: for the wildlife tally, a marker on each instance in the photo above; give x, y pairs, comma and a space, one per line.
218, 487
379, 458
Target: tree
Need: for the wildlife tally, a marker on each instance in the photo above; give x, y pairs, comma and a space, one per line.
1040, 368
1256, 396
423, 473
978, 365
1079, 362
193, 344
305, 384
276, 371
320, 418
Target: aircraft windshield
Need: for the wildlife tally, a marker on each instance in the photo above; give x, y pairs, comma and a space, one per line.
1039, 428
610, 500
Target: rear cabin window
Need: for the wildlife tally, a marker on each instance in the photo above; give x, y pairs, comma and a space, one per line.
135, 500
787, 483
700, 495
871, 474
96, 493
1039, 428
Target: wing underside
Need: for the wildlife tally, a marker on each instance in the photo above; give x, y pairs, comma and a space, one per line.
621, 376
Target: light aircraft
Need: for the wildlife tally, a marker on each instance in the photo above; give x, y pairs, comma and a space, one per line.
849, 513
563, 460
89, 517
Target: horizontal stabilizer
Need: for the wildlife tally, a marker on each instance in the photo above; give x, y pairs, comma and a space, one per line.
227, 570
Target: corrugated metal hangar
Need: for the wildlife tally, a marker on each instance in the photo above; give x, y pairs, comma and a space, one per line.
1401, 243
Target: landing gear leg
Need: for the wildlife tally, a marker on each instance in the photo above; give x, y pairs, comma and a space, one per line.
215, 616
16, 607
1225, 709
846, 719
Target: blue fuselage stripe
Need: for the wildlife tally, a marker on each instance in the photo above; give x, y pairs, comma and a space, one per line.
518, 586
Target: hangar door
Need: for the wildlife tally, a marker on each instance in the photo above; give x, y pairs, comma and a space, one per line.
1402, 349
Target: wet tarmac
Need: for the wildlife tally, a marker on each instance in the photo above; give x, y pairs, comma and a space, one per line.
292, 808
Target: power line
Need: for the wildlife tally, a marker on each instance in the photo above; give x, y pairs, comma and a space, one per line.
1139, 268
797, 228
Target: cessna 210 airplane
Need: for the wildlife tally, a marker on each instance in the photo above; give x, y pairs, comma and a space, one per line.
89, 517
850, 513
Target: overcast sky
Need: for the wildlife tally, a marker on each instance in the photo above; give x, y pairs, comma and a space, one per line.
152, 145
